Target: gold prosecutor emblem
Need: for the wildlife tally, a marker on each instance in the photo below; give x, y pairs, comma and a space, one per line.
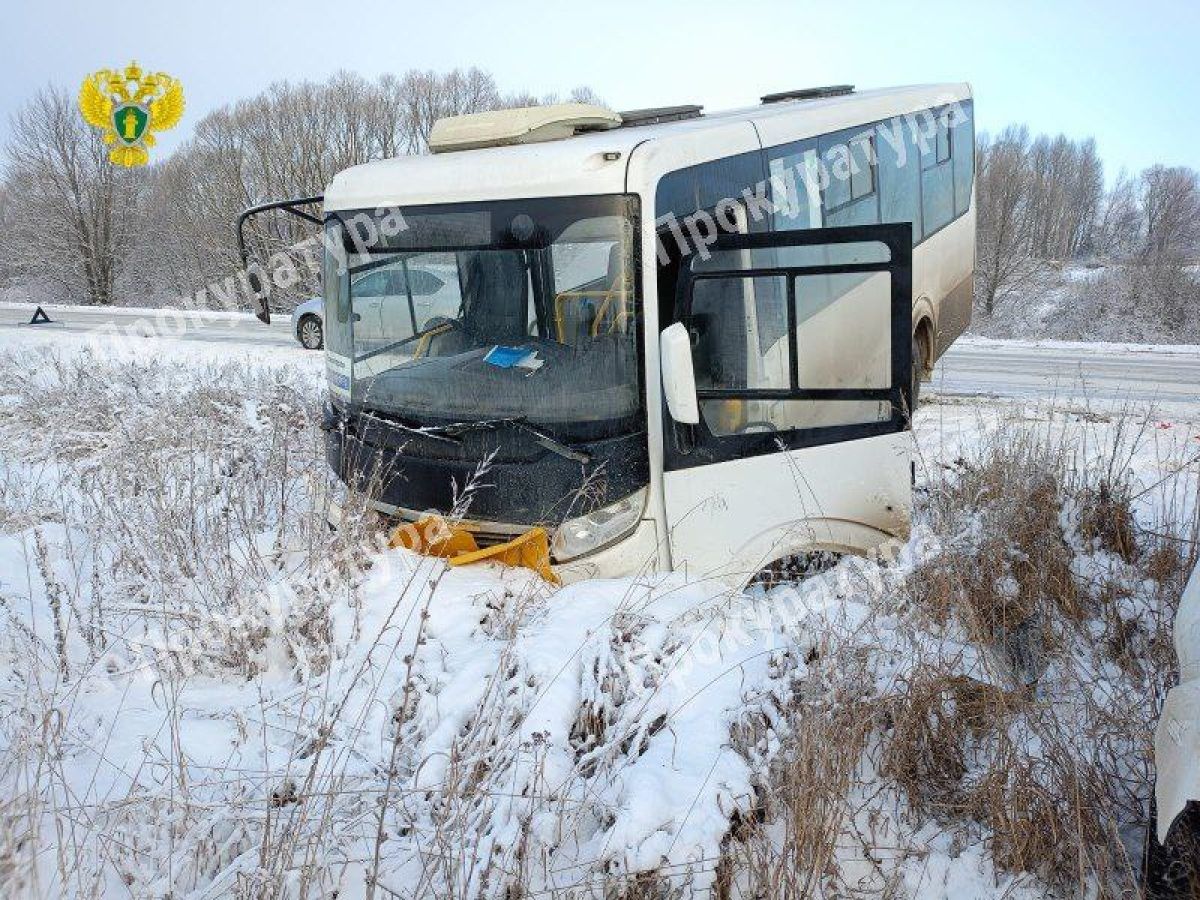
129, 106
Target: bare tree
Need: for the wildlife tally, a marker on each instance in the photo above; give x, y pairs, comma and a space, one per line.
1066, 190
1171, 207
1119, 223
1003, 188
584, 94
1041, 201
1084, 198
1048, 162
421, 98
7, 225
74, 226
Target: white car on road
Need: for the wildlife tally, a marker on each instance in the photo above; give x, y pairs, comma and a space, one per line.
378, 294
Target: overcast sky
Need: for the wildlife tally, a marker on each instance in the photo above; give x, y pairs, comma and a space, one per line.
1127, 73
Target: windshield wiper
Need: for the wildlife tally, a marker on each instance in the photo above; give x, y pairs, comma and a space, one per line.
547, 440
434, 434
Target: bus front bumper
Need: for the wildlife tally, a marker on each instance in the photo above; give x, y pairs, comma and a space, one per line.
637, 553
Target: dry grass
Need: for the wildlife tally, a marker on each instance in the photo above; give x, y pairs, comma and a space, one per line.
1007, 559
785, 844
1046, 569
166, 508
1040, 565
933, 724
972, 696
1106, 516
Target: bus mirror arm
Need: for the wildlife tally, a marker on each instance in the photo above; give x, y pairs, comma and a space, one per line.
678, 378
260, 289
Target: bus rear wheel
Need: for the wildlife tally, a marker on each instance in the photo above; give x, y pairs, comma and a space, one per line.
1171, 871
920, 358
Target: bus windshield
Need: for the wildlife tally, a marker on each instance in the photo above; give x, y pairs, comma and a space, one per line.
477, 311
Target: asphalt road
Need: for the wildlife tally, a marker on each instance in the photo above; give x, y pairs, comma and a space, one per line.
1101, 372
190, 326
971, 367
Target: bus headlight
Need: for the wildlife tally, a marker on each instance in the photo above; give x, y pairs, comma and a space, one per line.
587, 534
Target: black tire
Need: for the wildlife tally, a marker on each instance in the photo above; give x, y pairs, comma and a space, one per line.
1171, 871
311, 333
792, 569
919, 360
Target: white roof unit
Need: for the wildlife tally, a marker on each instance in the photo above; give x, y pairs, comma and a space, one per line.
524, 125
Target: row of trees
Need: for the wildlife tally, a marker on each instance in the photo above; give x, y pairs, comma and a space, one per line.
1043, 200
72, 226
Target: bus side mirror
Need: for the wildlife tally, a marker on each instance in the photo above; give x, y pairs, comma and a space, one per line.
678, 379
257, 280
260, 292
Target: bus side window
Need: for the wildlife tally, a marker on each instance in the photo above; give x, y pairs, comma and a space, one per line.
851, 195
687, 191
697, 190
963, 142
917, 168
937, 174
795, 185
899, 175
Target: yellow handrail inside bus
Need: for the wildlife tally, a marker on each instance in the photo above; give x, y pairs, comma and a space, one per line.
427, 339
616, 292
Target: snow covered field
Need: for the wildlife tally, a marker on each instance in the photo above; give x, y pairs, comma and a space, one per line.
204, 693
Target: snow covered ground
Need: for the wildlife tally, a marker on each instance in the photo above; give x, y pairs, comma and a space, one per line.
203, 693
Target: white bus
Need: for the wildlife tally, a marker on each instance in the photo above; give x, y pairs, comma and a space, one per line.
679, 340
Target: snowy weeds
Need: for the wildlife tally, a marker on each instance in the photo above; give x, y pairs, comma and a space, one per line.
207, 693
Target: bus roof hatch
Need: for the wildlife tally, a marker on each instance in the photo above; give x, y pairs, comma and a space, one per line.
813, 93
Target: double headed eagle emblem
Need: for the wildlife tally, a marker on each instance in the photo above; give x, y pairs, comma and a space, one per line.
129, 106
